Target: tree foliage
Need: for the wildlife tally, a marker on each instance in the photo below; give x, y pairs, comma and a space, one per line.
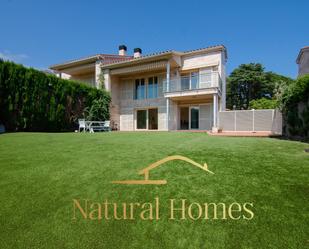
296, 92
250, 82
98, 110
101, 81
295, 107
263, 103
30, 100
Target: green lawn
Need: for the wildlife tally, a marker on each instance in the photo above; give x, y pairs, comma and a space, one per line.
42, 173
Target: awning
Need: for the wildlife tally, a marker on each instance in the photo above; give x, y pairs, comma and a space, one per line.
139, 68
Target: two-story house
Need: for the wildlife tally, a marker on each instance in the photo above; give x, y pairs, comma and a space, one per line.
169, 90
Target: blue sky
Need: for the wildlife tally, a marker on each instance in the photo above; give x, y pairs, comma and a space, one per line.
41, 33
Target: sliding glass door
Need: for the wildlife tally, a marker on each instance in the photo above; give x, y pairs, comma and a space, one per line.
147, 119
184, 118
189, 117
194, 117
141, 119
153, 119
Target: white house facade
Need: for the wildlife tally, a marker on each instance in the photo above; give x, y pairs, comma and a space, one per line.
170, 90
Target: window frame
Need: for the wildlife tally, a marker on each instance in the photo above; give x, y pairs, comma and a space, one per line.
138, 83
147, 118
145, 94
154, 87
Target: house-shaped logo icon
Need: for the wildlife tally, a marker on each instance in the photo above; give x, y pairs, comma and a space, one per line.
154, 165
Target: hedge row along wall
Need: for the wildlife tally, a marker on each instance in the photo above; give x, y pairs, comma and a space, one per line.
296, 109
31, 100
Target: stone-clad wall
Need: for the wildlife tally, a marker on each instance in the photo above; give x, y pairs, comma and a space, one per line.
128, 105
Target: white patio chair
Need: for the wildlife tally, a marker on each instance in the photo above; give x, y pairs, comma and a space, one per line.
107, 126
82, 125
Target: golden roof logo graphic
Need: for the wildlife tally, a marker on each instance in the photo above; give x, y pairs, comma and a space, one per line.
146, 171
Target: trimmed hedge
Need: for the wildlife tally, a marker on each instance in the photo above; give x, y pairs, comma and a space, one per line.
31, 100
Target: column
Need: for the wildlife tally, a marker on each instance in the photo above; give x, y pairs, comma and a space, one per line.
168, 69
107, 80
98, 76
215, 112
223, 78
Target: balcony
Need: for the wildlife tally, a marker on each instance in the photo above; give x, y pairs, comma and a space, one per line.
195, 84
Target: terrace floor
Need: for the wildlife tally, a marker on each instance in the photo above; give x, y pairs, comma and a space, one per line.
243, 134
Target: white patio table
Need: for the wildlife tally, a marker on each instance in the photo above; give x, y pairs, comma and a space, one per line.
92, 126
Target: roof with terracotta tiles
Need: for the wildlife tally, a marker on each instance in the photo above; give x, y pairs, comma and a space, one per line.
112, 59
210, 48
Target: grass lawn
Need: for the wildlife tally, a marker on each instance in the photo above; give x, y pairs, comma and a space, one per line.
41, 173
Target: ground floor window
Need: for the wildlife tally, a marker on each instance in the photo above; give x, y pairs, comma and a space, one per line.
147, 119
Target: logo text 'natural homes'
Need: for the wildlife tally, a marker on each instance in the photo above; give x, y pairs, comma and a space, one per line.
177, 210
180, 209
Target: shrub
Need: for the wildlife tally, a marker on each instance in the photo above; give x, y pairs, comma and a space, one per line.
31, 100
98, 110
295, 107
296, 92
263, 103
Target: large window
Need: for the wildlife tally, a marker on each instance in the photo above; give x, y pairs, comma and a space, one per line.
190, 81
152, 91
194, 80
149, 90
140, 89
185, 82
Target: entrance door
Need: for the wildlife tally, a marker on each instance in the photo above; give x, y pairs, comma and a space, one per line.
184, 118
153, 119
194, 117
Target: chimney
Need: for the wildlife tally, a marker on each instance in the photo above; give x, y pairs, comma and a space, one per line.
137, 53
122, 50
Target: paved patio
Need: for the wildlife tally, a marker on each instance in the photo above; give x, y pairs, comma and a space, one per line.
243, 134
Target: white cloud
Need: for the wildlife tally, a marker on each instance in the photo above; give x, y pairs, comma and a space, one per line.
7, 55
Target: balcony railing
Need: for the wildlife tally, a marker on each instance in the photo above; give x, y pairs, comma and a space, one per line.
193, 82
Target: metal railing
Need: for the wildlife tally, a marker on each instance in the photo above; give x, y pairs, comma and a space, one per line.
193, 82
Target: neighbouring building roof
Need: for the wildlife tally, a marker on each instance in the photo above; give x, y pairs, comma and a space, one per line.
306, 48
48, 71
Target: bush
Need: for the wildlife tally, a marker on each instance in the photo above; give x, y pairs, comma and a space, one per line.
295, 107
296, 92
30, 100
263, 103
98, 110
